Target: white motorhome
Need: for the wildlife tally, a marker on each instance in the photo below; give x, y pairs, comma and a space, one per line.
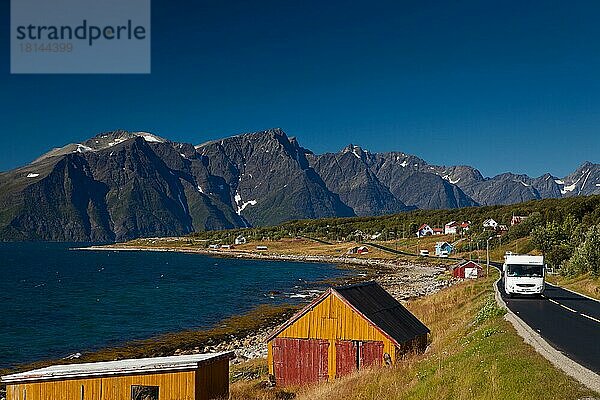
523, 274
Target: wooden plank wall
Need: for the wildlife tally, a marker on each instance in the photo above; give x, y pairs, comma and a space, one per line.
173, 386
212, 381
333, 320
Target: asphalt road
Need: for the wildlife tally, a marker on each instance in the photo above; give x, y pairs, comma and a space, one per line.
567, 321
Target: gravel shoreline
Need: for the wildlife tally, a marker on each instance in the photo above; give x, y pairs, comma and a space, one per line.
404, 280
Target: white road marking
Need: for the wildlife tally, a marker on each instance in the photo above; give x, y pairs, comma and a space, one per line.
574, 311
568, 308
590, 317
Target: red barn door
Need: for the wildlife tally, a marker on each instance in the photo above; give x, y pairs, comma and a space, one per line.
300, 361
353, 355
371, 354
346, 357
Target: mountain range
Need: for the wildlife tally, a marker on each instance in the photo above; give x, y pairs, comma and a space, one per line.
121, 185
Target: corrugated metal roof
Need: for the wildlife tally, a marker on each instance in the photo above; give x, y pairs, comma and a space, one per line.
121, 367
378, 306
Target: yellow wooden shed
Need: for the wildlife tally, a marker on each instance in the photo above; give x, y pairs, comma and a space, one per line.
189, 377
343, 330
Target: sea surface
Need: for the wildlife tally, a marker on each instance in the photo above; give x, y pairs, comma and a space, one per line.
55, 302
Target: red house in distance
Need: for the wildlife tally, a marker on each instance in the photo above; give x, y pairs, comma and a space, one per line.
467, 270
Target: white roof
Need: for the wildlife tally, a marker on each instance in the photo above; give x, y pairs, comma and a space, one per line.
523, 259
121, 367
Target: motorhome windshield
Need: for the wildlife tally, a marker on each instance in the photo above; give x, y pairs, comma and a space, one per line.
518, 270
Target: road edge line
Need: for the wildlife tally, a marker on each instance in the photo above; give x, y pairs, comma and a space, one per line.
586, 377
574, 292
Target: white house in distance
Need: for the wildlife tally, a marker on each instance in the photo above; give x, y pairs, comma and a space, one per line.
424, 230
451, 228
240, 240
517, 219
465, 226
490, 224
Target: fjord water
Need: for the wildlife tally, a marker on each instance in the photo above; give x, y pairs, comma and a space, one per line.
57, 301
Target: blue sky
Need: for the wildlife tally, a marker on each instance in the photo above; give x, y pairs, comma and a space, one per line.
500, 85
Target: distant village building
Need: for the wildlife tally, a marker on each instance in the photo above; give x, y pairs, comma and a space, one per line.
260, 248
438, 231
240, 240
424, 230
490, 224
451, 228
443, 246
194, 377
213, 246
467, 270
359, 235
465, 226
358, 250
344, 330
516, 220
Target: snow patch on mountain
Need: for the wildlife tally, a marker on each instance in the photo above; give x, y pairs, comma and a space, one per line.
149, 137
116, 141
449, 179
82, 148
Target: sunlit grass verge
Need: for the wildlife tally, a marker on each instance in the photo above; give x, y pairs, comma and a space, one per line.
474, 354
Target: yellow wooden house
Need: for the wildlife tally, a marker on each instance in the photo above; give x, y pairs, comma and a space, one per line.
189, 377
343, 330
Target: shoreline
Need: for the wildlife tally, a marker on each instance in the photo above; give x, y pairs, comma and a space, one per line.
405, 280
245, 334
247, 255
388, 272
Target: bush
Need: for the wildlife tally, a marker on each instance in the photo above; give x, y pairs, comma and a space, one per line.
489, 310
586, 257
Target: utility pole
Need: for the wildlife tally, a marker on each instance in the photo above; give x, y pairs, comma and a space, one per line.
488, 253
487, 270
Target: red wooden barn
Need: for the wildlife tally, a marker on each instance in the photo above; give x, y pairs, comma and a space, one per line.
344, 330
467, 269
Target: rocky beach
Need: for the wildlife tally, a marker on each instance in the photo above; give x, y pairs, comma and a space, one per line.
403, 279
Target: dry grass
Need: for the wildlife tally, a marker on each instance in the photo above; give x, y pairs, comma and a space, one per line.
586, 284
295, 247
306, 247
474, 354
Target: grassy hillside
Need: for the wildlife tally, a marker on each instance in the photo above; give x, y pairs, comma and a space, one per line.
584, 209
566, 231
474, 354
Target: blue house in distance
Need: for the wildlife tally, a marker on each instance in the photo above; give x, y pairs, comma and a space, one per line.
443, 246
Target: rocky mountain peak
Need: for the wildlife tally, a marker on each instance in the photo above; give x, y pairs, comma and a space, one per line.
120, 184
357, 151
